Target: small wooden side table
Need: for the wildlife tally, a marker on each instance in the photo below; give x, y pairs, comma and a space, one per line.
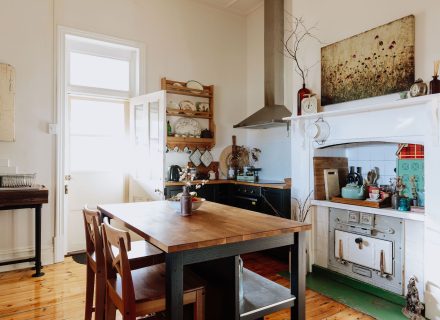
20, 198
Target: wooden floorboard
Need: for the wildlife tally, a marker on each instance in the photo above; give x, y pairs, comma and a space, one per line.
60, 294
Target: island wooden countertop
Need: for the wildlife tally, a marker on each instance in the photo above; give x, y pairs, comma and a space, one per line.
213, 224
262, 184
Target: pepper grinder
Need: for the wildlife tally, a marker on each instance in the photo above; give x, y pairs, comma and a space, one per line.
185, 202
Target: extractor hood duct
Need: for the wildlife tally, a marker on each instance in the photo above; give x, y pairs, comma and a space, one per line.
273, 112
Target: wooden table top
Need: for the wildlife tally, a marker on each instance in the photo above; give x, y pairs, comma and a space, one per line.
23, 196
213, 224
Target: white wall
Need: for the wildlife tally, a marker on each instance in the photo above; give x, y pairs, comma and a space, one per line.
26, 43
274, 143
184, 40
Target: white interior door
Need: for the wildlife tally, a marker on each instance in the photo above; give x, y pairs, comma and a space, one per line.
149, 132
97, 149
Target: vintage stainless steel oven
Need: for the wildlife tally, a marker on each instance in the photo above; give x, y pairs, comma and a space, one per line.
367, 247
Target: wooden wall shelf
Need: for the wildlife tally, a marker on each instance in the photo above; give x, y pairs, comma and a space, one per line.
189, 114
179, 87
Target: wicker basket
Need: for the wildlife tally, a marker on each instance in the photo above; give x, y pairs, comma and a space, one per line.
17, 180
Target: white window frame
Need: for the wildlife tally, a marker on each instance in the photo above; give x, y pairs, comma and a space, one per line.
136, 58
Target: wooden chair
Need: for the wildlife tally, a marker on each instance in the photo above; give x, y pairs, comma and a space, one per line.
142, 254
136, 293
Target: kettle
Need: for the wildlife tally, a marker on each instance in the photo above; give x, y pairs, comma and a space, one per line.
174, 173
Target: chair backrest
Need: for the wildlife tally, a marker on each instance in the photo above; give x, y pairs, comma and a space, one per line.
117, 244
94, 244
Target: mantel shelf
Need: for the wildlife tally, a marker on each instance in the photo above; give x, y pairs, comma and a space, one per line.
382, 211
401, 103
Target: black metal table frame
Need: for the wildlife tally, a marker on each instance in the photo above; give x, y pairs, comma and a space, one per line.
37, 257
176, 261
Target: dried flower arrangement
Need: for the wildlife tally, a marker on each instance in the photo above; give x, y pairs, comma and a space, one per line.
436, 67
253, 154
297, 34
188, 176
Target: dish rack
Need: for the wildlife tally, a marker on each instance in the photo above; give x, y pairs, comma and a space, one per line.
17, 180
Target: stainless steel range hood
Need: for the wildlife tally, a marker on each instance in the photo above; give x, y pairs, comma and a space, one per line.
273, 112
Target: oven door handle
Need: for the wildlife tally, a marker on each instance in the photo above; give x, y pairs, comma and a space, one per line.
246, 198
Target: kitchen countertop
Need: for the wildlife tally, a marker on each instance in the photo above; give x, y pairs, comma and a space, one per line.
261, 183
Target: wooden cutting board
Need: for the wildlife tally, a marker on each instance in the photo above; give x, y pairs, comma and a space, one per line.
322, 163
364, 203
331, 182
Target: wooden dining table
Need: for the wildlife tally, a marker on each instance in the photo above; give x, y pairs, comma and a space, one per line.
210, 241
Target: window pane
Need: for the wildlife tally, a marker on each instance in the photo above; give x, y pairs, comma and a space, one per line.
97, 154
93, 117
99, 72
98, 140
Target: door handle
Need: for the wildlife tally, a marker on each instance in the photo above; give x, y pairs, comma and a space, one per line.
359, 242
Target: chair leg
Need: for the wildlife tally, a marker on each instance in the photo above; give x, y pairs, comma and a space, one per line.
199, 305
110, 309
100, 297
90, 286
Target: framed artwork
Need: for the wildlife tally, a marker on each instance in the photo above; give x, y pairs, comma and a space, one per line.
7, 102
374, 63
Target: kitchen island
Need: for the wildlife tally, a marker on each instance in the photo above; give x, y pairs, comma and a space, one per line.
211, 241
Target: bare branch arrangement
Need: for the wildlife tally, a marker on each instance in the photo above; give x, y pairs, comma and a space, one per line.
302, 209
295, 36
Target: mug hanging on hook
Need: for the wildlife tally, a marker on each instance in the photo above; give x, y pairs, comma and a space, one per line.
319, 131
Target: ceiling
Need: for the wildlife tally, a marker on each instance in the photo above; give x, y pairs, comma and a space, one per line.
242, 7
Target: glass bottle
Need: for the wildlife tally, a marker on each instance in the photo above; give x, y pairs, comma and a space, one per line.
361, 179
185, 202
352, 177
301, 95
169, 130
434, 85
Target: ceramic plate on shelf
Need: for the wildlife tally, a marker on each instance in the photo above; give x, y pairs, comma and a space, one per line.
195, 157
187, 127
206, 158
172, 105
187, 105
193, 84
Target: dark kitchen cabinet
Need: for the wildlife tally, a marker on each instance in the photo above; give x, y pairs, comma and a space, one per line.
276, 202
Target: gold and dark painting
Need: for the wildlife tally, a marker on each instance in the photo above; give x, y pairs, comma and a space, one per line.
374, 63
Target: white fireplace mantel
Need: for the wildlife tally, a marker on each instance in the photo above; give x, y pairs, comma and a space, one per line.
414, 120
405, 120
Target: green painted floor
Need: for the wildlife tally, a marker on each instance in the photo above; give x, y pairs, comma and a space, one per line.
358, 300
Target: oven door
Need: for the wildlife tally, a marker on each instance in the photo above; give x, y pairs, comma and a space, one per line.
366, 251
247, 202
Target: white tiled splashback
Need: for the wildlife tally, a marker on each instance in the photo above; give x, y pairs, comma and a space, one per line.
371, 155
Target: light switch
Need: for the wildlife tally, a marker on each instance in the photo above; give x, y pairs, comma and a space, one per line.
53, 128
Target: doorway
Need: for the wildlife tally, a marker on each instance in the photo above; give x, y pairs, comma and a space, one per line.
100, 75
